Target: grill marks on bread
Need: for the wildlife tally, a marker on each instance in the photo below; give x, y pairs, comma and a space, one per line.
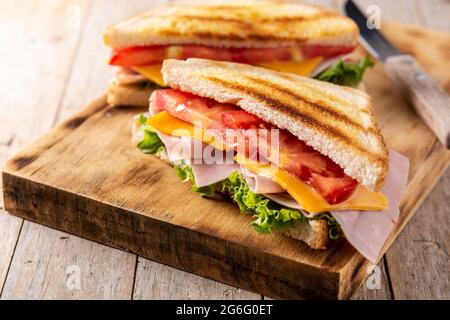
259, 24
291, 109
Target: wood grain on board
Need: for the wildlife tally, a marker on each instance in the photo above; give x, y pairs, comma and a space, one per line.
80, 194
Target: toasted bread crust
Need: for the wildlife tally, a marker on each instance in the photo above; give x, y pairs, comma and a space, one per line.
337, 121
313, 232
234, 24
128, 95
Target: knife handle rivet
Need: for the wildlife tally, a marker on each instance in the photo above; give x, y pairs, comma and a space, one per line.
407, 62
421, 76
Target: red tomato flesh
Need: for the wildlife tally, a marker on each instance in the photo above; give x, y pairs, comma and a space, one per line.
299, 159
148, 55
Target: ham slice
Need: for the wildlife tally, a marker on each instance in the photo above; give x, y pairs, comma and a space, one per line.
368, 230
207, 174
125, 76
183, 148
259, 183
175, 147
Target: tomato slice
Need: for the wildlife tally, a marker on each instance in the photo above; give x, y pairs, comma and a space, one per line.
194, 51
325, 51
334, 190
296, 157
240, 119
254, 56
138, 56
147, 55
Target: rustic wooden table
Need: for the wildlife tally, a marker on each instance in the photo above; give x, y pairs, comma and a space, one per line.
53, 62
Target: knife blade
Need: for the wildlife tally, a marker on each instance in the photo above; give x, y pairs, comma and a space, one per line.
372, 39
430, 101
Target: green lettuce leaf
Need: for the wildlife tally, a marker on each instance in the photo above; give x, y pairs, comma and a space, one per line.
345, 73
145, 85
269, 215
151, 143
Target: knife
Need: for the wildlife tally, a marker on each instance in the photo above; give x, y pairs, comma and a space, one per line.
429, 100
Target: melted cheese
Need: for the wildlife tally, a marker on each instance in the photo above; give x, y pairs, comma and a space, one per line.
172, 126
303, 68
307, 197
152, 72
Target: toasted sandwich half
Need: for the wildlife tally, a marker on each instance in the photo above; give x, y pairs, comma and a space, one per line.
283, 36
304, 157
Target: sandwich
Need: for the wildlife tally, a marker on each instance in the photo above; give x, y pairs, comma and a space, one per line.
297, 38
304, 157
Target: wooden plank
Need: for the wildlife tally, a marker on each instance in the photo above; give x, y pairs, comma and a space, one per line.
49, 264
29, 28
376, 287
435, 14
101, 280
157, 281
423, 272
10, 228
419, 261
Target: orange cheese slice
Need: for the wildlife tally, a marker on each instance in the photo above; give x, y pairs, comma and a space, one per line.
303, 68
172, 126
152, 72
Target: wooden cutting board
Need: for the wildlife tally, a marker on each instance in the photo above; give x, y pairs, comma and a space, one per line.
87, 178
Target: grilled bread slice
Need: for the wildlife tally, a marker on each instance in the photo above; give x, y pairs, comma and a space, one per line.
243, 24
337, 121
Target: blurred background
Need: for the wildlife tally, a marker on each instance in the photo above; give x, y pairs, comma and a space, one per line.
53, 63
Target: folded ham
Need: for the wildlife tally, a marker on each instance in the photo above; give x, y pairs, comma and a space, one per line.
259, 183
367, 231
207, 174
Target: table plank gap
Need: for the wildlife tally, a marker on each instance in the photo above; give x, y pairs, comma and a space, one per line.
158, 281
